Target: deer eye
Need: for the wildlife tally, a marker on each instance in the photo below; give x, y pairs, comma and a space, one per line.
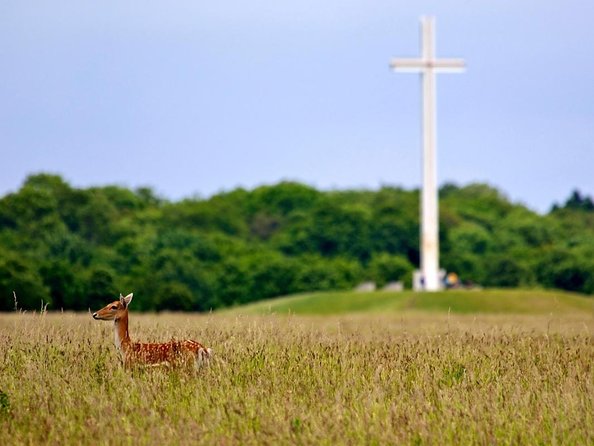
114, 307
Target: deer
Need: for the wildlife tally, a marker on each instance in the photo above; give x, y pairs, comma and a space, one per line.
172, 353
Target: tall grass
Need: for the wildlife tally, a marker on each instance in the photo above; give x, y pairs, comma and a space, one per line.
399, 379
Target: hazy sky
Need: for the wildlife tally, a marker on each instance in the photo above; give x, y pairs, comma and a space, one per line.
194, 97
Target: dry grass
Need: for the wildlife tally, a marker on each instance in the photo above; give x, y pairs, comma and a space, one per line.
368, 379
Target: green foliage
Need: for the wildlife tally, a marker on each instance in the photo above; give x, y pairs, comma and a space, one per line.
175, 296
170, 270
564, 270
78, 248
395, 223
19, 276
478, 203
317, 273
4, 403
65, 286
577, 202
506, 272
100, 289
283, 198
471, 238
330, 230
384, 268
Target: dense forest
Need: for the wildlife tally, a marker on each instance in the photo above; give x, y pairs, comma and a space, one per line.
74, 249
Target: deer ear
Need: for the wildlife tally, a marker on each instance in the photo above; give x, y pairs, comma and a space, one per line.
126, 300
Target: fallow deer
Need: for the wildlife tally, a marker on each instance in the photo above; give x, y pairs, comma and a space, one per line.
170, 353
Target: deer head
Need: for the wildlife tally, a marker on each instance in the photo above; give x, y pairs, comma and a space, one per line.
114, 310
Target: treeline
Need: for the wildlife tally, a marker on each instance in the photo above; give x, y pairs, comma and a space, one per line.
75, 249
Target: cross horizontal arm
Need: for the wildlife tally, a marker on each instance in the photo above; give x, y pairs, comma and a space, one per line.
439, 65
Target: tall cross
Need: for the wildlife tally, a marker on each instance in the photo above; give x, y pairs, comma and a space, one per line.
428, 66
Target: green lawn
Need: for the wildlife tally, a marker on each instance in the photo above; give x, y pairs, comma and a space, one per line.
454, 301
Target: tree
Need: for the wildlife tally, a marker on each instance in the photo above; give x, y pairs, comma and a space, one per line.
65, 286
174, 296
79, 247
384, 268
283, 199
564, 270
272, 275
18, 276
506, 272
168, 267
578, 202
316, 273
100, 288
329, 230
470, 238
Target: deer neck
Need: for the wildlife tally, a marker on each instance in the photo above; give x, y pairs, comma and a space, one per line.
121, 336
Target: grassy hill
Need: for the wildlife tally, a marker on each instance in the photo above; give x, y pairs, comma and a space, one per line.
458, 301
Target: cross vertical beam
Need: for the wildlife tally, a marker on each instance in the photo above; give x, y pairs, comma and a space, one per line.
428, 66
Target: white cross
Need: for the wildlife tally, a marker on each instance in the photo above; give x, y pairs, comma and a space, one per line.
428, 65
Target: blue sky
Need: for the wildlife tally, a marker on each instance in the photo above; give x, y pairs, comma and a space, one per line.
195, 97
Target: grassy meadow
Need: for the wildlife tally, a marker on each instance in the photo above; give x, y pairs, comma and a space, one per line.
389, 374
452, 301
